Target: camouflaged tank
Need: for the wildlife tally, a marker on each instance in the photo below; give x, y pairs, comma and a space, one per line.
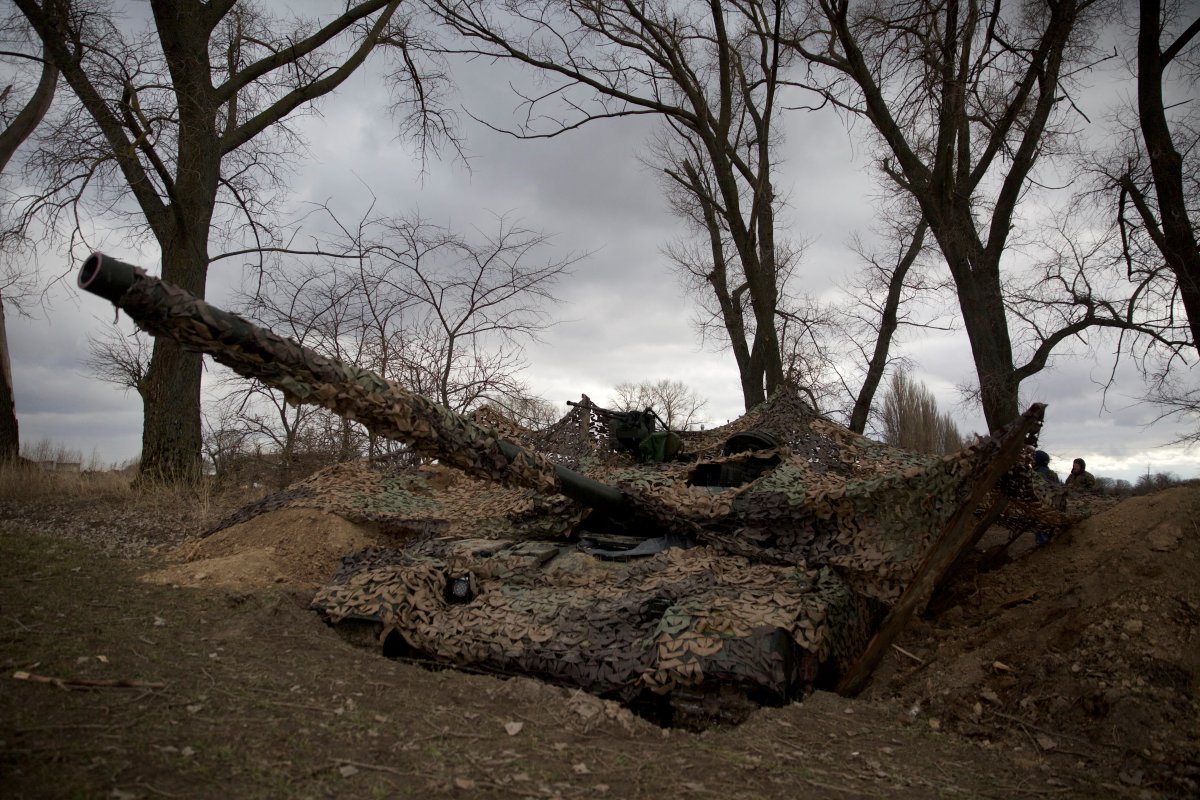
757, 563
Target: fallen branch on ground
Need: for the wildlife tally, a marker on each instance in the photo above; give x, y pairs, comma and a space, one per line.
904, 652
66, 683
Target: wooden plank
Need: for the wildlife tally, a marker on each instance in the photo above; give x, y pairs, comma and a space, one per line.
944, 553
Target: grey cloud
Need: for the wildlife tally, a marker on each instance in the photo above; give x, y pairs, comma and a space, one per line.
624, 316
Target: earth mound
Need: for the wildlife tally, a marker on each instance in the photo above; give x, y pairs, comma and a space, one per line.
296, 547
1087, 647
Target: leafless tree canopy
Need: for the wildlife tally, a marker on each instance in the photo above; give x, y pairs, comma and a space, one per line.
676, 403
182, 131
966, 99
438, 312
119, 359
712, 72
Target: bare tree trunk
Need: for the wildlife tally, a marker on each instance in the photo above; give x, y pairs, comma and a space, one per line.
991, 347
764, 292
976, 272
12, 137
888, 322
171, 439
30, 116
10, 440
171, 404
1177, 239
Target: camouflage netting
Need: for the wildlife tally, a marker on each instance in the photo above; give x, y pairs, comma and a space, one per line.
680, 618
802, 539
417, 502
827, 496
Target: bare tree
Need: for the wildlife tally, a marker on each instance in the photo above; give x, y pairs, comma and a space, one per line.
226, 442
712, 72
190, 121
120, 359
1155, 482
437, 312
910, 418
530, 411
1163, 189
808, 329
966, 98
676, 403
887, 315
263, 416
23, 105
467, 306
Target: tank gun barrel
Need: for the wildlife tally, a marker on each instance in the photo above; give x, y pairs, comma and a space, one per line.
305, 376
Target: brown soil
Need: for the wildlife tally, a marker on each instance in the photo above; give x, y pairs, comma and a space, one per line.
1088, 644
1071, 671
300, 547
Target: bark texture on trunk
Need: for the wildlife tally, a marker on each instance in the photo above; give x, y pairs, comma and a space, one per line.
10, 440
1178, 238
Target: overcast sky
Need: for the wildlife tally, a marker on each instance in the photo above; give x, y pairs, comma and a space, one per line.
623, 317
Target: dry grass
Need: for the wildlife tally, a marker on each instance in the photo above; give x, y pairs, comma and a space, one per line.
20, 481
200, 499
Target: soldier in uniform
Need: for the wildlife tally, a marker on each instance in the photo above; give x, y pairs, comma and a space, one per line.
1080, 480
1041, 467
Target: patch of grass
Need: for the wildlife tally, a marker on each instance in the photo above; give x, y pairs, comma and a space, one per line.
164, 510
21, 481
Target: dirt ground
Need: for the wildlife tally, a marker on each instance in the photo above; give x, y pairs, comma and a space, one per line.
1071, 672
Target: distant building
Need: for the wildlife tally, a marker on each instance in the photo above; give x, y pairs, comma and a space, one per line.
59, 466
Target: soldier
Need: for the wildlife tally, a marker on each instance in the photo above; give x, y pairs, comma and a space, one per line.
1080, 480
1041, 465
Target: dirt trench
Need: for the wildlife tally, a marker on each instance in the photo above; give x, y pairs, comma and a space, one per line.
1071, 671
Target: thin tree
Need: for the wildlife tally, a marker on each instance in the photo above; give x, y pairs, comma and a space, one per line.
1164, 196
23, 106
190, 121
712, 72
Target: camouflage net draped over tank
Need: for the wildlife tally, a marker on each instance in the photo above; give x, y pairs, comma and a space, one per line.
791, 578
826, 496
796, 557
680, 618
